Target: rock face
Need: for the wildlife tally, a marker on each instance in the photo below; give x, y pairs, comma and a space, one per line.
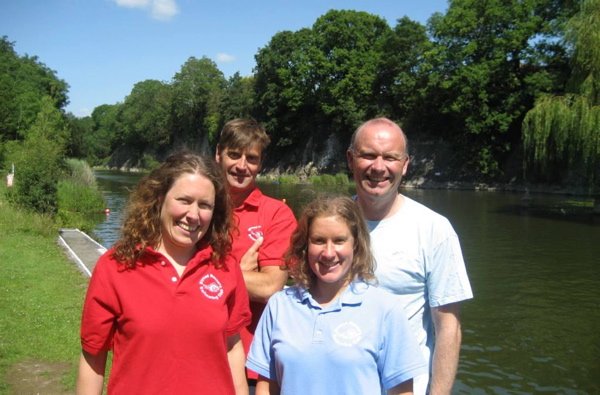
430, 161
433, 164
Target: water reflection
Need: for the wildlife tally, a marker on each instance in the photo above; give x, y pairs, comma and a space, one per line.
115, 187
533, 326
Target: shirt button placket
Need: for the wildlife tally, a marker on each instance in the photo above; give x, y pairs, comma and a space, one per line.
318, 329
174, 279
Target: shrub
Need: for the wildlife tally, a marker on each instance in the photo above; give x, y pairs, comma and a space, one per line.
329, 180
289, 179
80, 203
39, 160
81, 173
148, 162
342, 179
38, 165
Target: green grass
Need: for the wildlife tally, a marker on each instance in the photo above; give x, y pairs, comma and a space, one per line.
41, 294
288, 179
329, 180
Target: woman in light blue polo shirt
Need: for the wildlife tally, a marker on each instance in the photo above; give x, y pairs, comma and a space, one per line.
333, 332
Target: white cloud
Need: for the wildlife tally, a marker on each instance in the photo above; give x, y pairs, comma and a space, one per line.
164, 9
159, 9
225, 58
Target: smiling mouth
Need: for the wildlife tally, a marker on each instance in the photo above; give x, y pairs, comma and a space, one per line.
330, 264
187, 227
377, 180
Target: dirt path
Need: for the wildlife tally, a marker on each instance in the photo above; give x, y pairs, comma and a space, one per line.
37, 378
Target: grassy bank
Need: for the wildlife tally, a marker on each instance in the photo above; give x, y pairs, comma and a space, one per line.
41, 293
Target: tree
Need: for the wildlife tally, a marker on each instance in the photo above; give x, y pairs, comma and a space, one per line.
349, 44
403, 70
78, 129
486, 69
319, 83
144, 116
106, 133
286, 90
238, 99
24, 81
566, 129
197, 93
39, 160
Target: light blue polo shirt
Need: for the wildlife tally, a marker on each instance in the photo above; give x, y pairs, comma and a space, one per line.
359, 344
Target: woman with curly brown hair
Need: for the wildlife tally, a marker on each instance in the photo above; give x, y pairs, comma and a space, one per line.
168, 299
333, 332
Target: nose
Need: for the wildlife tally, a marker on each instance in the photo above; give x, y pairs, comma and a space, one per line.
193, 213
242, 163
328, 250
378, 163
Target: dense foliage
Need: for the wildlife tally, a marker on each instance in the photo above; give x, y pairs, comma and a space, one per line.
35, 139
39, 160
466, 79
562, 133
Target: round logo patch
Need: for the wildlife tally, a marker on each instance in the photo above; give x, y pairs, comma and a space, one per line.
211, 287
255, 232
347, 334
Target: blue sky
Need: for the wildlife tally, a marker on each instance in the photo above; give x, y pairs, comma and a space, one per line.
101, 48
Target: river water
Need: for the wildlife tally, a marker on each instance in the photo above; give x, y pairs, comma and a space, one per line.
534, 324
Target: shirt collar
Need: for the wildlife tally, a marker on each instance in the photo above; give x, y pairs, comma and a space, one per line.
203, 254
351, 296
253, 199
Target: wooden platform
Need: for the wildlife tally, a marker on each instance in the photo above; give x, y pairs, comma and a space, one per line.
81, 248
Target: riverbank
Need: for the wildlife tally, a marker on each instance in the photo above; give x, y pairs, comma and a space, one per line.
41, 295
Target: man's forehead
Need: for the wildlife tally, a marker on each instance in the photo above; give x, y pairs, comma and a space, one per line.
378, 150
248, 150
386, 141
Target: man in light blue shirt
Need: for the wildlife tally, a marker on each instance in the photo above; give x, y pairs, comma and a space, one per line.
417, 252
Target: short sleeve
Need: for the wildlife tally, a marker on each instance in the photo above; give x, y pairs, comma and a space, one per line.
447, 280
277, 237
100, 309
238, 303
400, 358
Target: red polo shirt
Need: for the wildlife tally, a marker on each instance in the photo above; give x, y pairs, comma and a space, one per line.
168, 333
261, 215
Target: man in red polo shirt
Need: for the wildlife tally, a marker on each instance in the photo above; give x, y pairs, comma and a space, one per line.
264, 224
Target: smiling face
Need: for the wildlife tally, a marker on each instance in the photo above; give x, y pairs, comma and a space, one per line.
241, 166
186, 214
330, 251
378, 160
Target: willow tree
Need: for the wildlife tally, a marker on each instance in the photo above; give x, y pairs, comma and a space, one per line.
566, 128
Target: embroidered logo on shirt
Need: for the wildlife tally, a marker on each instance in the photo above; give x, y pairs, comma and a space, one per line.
347, 334
211, 287
255, 232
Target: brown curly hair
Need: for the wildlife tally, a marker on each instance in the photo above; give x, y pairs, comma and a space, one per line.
343, 207
142, 225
